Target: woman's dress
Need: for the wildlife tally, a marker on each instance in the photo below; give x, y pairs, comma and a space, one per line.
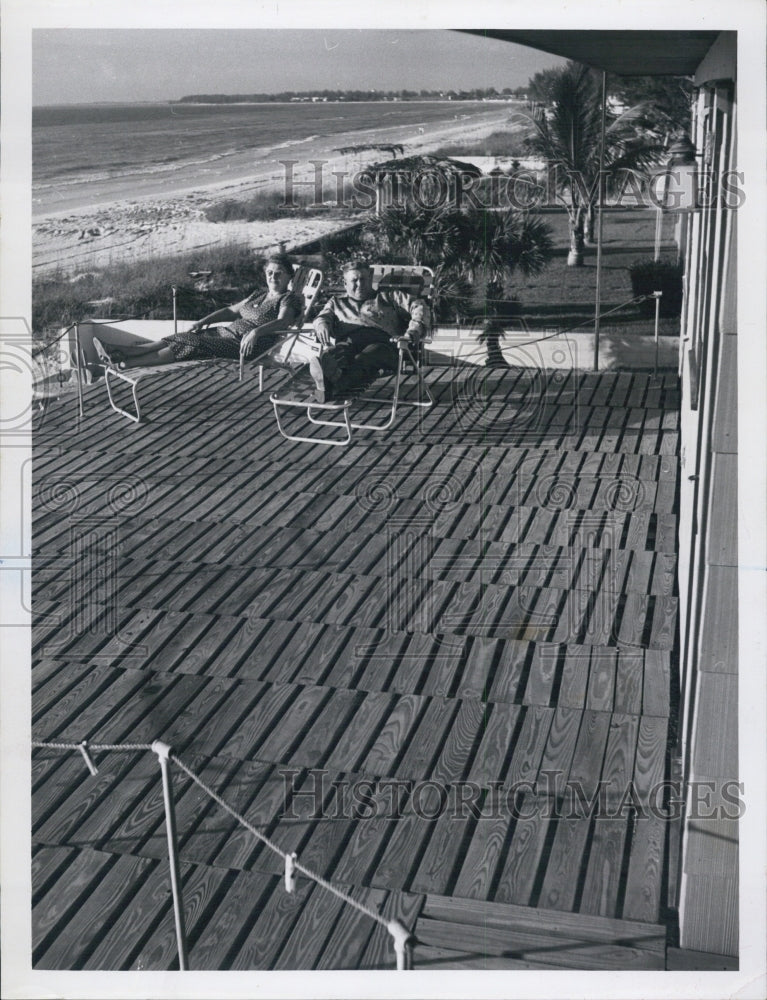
224, 342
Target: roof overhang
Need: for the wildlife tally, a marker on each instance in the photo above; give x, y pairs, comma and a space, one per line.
627, 53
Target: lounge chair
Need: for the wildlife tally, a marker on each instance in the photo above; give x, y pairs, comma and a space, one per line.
416, 280
84, 358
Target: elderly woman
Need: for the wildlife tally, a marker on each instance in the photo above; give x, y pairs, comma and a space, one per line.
258, 320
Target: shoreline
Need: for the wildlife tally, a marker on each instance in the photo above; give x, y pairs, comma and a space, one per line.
125, 220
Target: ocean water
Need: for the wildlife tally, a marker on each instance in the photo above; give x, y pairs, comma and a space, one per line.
76, 143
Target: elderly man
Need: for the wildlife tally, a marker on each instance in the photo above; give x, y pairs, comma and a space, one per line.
360, 325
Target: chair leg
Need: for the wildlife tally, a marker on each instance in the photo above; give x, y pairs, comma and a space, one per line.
133, 383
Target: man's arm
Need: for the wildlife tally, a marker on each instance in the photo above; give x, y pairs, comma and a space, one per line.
324, 324
415, 312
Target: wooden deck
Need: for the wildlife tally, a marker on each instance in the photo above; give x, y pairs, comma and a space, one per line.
478, 607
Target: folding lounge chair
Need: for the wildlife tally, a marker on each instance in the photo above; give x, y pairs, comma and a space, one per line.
416, 280
307, 280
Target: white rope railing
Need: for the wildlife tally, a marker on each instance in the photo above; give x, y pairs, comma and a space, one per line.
401, 938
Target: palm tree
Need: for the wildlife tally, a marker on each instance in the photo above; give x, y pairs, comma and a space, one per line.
570, 140
436, 179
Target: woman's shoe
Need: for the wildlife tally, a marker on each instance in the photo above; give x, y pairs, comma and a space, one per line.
111, 358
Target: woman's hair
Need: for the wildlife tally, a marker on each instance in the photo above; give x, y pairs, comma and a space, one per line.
283, 260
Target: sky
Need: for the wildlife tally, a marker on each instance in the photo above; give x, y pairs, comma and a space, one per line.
81, 66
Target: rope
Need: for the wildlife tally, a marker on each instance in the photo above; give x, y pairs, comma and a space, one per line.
92, 746
400, 935
277, 850
91, 322
570, 329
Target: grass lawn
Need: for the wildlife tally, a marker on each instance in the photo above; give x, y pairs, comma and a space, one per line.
565, 297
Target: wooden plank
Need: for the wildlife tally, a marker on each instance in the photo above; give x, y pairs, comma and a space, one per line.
134, 925
520, 868
629, 679
575, 673
618, 766
501, 943
173, 653
196, 657
298, 662
241, 656
498, 739
80, 934
304, 944
201, 887
570, 843
326, 729
529, 747
408, 837
510, 672
602, 886
600, 694
65, 897
560, 747
483, 858
411, 657
372, 823
47, 864
394, 735
428, 739
446, 849
133, 777
295, 724
443, 674
590, 751
269, 795
630, 624
361, 732
656, 691
645, 870
664, 615
266, 713
228, 926
458, 751
351, 935
277, 918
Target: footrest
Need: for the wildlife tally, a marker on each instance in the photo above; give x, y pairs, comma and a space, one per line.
303, 400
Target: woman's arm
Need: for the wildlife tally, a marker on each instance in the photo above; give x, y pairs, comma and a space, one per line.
287, 316
219, 316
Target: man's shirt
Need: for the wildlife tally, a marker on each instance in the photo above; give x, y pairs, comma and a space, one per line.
392, 311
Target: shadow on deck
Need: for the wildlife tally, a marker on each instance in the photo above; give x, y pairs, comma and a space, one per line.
438, 664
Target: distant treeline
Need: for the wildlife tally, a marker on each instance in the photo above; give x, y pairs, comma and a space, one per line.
478, 94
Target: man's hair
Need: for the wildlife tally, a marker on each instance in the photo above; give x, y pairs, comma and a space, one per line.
356, 264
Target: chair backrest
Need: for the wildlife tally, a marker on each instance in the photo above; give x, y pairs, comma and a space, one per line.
416, 279
307, 281
413, 278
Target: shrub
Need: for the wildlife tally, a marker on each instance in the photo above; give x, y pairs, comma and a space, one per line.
648, 275
143, 289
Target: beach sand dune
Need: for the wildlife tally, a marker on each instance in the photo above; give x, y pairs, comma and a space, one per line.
102, 225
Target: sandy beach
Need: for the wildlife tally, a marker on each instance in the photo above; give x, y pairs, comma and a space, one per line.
102, 223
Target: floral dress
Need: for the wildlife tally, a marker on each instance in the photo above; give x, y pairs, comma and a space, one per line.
224, 342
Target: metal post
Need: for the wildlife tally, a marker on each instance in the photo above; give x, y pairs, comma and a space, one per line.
79, 365
600, 200
657, 296
658, 231
163, 755
175, 316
